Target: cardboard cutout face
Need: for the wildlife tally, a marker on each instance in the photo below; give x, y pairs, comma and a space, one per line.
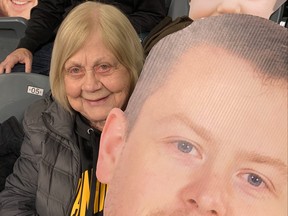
205, 8
210, 135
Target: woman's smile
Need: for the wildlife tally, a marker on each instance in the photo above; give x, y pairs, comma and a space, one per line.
96, 102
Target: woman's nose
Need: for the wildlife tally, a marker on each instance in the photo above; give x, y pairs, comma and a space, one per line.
91, 82
229, 7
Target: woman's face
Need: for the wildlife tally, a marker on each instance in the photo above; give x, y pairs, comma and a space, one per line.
95, 81
17, 8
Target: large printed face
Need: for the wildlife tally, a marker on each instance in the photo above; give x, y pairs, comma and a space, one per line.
17, 8
211, 141
95, 81
205, 8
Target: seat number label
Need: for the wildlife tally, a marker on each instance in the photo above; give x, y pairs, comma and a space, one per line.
35, 91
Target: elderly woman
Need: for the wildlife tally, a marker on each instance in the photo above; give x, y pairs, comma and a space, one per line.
96, 60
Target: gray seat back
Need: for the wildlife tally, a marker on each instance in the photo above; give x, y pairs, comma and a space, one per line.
280, 15
18, 91
12, 29
178, 8
167, 5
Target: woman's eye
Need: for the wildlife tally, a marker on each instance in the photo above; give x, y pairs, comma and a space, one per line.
254, 180
103, 68
74, 70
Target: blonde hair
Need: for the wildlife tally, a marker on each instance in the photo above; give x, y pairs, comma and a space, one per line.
118, 35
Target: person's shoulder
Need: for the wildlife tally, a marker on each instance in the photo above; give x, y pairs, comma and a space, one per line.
46, 116
35, 110
166, 27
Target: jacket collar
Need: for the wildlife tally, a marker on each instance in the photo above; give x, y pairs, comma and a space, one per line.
59, 120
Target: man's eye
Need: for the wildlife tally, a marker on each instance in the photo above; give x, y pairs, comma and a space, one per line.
185, 147
254, 180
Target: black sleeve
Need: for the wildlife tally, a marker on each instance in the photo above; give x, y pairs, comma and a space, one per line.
19, 194
143, 14
11, 137
48, 15
45, 19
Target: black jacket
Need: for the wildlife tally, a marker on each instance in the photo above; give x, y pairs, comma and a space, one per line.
48, 15
46, 175
11, 137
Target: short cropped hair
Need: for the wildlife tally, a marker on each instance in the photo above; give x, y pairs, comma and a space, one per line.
261, 42
278, 3
118, 35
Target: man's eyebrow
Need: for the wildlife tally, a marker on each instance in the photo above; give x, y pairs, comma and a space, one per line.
265, 159
198, 129
207, 135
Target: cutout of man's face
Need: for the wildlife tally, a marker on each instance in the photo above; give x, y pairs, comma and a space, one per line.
211, 141
205, 8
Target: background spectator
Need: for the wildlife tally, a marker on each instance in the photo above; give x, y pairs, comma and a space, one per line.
47, 16
17, 8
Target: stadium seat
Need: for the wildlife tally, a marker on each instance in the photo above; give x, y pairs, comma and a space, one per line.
178, 8
167, 5
18, 91
12, 29
280, 15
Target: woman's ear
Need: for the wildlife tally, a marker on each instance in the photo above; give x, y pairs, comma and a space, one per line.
111, 145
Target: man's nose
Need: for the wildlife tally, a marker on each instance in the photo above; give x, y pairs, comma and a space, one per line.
229, 7
208, 196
